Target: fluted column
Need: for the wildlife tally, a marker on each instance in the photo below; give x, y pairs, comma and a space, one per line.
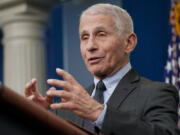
24, 55
24, 44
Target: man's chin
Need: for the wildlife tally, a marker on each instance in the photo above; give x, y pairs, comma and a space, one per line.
98, 73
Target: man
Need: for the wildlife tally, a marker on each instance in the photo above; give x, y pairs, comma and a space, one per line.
120, 101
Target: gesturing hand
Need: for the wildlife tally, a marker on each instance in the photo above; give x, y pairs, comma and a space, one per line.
74, 97
32, 93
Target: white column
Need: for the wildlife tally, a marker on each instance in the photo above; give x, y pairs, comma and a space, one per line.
23, 24
24, 52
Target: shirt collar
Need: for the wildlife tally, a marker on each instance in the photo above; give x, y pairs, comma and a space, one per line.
114, 79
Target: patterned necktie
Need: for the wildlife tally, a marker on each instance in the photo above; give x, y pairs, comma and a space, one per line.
100, 88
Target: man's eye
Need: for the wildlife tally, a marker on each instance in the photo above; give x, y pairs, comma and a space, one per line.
85, 37
101, 34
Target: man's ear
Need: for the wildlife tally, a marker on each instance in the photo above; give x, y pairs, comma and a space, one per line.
131, 42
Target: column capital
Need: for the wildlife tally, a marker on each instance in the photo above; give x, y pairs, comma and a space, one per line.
27, 4
11, 10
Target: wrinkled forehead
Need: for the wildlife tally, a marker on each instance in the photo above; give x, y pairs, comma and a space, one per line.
96, 21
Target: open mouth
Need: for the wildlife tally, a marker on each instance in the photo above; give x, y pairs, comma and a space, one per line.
95, 60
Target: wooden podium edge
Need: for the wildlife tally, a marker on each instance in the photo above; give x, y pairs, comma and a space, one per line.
37, 112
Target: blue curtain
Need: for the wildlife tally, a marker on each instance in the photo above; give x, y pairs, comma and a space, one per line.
151, 21
54, 51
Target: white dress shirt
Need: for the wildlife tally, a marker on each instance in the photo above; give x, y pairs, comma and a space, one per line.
110, 83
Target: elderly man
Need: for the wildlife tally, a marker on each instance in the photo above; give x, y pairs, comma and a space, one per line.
120, 101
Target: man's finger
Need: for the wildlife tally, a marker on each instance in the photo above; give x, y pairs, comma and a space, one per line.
26, 90
66, 105
59, 83
49, 99
30, 87
34, 81
31, 97
68, 77
59, 93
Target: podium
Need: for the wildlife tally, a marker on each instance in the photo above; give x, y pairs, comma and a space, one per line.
20, 116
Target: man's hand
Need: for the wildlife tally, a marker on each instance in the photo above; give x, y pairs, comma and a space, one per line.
32, 93
74, 97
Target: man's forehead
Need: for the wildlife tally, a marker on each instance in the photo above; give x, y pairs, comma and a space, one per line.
95, 25
89, 18
96, 28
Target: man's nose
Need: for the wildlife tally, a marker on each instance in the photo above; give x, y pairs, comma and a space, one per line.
92, 45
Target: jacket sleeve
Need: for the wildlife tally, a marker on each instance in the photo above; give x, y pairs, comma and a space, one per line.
159, 115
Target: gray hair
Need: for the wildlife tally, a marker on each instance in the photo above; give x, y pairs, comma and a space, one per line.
122, 19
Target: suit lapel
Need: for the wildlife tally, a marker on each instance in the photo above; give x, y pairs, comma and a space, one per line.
127, 84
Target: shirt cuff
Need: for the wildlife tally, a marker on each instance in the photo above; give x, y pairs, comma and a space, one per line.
100, 119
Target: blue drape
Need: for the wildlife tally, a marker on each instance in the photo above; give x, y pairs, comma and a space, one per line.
54, 51
151, 21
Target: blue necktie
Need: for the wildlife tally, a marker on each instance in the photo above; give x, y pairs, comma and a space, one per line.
100, 88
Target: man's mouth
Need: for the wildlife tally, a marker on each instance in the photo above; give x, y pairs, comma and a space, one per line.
95, 60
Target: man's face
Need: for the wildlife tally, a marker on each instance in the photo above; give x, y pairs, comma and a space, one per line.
102, 47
